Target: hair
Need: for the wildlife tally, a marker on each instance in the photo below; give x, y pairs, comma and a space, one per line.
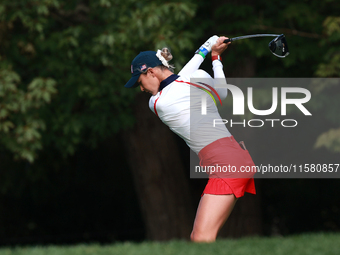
168, 56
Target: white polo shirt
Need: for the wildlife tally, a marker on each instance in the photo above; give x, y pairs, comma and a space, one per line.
179, 106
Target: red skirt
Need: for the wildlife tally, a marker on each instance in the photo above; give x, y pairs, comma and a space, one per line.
231, 168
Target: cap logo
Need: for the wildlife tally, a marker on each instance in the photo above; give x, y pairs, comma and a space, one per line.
131, 68
143, 67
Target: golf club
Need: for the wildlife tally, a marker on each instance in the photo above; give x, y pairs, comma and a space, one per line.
278, 46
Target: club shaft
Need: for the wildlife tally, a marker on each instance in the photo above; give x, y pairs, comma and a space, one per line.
248, 36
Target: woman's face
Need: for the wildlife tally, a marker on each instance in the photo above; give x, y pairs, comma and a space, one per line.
148, 82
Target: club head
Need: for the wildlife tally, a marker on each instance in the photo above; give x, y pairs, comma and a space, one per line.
279, 46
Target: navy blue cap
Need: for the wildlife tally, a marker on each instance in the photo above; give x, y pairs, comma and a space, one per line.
141, 63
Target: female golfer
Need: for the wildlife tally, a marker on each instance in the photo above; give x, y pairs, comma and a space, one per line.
173, 101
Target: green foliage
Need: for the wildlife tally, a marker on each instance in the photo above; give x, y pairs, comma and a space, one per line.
300, 21
312, 29
20, 124
84, 52
329, 139
330, 67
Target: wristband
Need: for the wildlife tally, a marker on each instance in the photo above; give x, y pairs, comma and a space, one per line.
217, 57
202, 51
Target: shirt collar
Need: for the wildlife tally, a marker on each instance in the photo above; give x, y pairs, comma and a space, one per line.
167, 81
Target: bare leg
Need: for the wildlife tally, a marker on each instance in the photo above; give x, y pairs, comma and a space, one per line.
212, 213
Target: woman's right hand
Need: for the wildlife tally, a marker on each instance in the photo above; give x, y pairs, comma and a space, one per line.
219, 47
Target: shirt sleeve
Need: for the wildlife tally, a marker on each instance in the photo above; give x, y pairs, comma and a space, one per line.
220, 81
192, 65
152, 103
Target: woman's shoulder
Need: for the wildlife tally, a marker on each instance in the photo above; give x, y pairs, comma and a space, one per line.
199, 73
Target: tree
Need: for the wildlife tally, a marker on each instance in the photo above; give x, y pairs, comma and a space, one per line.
83, 51
159, 176
79, 56
64, 63
330, 67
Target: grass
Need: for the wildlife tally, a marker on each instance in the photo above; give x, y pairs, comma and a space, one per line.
305, 244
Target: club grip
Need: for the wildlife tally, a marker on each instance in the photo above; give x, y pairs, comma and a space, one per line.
227, 40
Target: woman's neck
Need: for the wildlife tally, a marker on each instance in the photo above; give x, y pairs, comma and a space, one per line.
164, 74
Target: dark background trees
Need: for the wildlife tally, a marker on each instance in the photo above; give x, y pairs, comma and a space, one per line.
80, 160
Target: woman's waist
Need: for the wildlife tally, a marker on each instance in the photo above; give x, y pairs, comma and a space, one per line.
218, 146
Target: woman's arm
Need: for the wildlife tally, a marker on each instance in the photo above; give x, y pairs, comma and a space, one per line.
198, 58
219, 77
192, 65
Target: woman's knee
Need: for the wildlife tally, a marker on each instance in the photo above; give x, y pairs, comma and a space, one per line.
197, 236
